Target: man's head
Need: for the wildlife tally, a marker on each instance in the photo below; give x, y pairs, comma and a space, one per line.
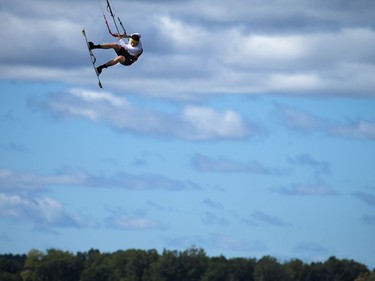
134, 39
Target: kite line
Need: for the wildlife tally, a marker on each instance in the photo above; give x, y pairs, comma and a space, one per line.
109, 9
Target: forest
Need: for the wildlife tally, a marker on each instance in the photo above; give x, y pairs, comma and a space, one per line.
192, 264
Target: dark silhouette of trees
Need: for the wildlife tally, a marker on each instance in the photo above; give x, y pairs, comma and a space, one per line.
190, 265
297, 270
269, 269
11, 267
97, 266
236, 269
336, 270
54, 265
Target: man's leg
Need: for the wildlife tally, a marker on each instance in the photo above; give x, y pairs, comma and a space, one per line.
110, 63
114, 46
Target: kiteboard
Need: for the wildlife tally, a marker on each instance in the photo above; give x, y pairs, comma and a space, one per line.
93, 58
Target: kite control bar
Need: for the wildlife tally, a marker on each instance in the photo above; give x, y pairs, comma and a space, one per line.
109, 9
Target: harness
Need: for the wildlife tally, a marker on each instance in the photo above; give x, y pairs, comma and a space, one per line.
129, 59
134, 58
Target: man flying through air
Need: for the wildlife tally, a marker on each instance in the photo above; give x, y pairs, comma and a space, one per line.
127, 52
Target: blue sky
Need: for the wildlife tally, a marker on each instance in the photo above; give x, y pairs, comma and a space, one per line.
246, 128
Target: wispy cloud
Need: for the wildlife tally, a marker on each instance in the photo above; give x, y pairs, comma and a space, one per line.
369, 219
131, 219
7, 116
12, 181
204, 163
124, 222
305, 160
213, 204
300, 120
359, 129
305, 122
311, 251
365, 197
317, 188
225, 242
14, 147
212, 218
214, 215
160, 207
369, 199
5, 238
216, 242
259, 218
142, 182
184, 242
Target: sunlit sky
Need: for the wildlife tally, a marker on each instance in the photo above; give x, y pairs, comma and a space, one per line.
246, 128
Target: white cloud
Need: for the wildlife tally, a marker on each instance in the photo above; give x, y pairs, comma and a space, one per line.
44, 44
265, 51
193, 123
91, 96
181, 34
306, 49
29, 72
205, 123
42, 212
294, 82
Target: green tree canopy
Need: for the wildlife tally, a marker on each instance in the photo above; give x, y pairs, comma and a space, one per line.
189, 265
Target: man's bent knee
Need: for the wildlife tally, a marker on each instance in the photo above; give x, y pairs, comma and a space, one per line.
120, 59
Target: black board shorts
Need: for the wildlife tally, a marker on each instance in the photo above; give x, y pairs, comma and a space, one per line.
128, 58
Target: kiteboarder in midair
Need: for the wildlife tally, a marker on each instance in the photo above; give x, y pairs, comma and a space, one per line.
127, 52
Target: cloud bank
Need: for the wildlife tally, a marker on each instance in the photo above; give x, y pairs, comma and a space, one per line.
195, 123
194, 50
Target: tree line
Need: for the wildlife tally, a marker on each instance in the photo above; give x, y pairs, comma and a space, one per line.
189, 265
